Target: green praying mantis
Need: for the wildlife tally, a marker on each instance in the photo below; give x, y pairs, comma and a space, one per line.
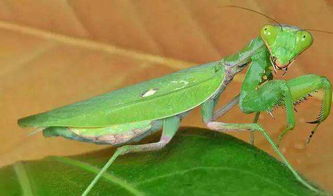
132, 113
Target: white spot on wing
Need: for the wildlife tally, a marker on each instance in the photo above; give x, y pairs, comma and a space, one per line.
182, 83
149, 92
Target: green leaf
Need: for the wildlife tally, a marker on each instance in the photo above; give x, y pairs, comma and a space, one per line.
196, 162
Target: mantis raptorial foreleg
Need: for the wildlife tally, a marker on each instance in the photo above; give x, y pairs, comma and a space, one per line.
288, 93
170, 127
303, 86
283, 96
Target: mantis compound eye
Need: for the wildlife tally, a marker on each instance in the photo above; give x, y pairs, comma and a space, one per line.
267, 30
268, 33
303, 41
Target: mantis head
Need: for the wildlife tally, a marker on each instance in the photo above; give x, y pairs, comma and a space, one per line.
285, 43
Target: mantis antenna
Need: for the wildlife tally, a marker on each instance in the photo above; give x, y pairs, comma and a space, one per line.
262, 14
320, 31
257, 12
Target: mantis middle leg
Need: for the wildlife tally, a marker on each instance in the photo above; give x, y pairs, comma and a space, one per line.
213, 116
286, 93
221, 127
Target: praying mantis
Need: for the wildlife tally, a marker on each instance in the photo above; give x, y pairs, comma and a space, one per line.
132, 113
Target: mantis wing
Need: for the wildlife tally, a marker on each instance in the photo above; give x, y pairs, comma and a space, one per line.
154, 99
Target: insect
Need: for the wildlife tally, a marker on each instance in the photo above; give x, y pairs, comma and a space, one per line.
130, 114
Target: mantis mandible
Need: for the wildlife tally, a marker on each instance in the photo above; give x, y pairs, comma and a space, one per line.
130, 114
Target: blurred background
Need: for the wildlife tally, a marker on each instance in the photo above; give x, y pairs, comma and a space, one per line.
53, 53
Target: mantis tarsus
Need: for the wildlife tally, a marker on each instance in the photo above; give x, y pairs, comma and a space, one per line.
132, 113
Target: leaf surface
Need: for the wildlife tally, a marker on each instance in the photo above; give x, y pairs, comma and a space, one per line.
196, 162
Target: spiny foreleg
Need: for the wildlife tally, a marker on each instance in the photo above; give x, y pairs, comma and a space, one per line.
303, 86
268, 96
288, 94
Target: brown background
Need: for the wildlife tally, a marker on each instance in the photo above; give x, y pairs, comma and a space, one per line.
57, 52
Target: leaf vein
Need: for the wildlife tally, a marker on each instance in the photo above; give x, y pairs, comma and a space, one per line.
94, 45
23, 179
209, 168
92, 169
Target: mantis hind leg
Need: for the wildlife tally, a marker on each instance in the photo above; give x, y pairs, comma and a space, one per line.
170, 127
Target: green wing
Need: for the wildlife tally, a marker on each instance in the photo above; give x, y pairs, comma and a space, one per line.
154, 99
